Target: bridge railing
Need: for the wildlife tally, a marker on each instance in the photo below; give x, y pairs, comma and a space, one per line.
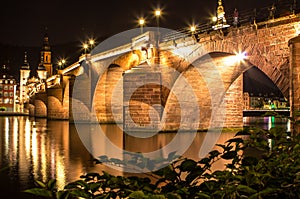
250, 16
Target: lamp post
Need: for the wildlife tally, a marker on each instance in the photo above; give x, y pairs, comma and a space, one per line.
157, 13
142, 23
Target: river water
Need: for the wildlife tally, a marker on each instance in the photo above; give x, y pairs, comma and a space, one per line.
40, 149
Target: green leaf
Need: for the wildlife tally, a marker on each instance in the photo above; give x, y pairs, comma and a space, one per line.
81, 193
243, 132
265, 192
188, 165
173, 196
137, 195
62, 195
39, 192
214, 153
237, 140
203, 195
229, 155
40, 184
95, 187
51, 184
246, 189
156, 197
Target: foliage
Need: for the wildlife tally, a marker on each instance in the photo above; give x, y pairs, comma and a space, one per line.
260, 164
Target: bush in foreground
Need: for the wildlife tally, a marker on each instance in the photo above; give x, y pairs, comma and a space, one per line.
260, 164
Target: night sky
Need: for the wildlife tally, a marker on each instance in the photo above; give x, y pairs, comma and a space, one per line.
24, 22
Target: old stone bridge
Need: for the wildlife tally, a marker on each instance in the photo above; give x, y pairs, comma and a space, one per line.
166, 80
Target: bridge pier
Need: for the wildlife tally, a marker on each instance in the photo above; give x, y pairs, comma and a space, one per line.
234, 104
294, 45
142, 103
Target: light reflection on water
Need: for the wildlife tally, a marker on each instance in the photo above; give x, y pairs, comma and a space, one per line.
42, 149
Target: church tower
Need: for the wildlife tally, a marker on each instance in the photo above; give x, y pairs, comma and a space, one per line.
46, 56
42, 70
24, 76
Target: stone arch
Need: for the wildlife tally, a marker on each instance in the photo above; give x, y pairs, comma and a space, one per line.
108, 89
40, 108
201, 76
106, 86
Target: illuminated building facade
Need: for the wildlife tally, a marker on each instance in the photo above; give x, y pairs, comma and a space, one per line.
8, 87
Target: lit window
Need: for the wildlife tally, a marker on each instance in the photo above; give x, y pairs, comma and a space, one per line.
5, 94
11, 88
6, 82
11, 101
11, 94
11, 81
0, 81
5, 87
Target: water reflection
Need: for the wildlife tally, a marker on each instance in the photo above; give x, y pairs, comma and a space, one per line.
267, 122
41, 149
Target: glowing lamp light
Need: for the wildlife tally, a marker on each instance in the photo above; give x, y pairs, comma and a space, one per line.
214, 19
157, 13
193, 28
235, 59
91, 42
85, 46
241, 56
142, 22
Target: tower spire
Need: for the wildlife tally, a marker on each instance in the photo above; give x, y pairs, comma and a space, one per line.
221, 20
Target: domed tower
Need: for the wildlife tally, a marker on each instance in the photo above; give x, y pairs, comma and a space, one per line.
46, 56
24, 76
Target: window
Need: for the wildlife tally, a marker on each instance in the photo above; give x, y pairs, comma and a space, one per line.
11, 87
5, 87
0, 81
6, 82
1, 87
11, 81
11, 101
5, 94
1, 100
11, 94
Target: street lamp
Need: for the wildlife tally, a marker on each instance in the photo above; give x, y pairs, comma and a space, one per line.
157, 13
85, 47
193, 29
142, 23
92, 42
61, 63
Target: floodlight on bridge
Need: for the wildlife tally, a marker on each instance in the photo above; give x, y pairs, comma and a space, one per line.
235, 59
